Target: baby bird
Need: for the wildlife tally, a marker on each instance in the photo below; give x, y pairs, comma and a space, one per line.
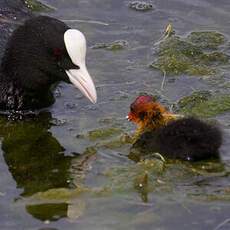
171, 135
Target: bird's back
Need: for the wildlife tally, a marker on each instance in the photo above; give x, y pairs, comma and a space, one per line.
186, 139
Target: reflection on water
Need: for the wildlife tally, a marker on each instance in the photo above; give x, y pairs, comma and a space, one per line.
52, 180
36, 161
35, 158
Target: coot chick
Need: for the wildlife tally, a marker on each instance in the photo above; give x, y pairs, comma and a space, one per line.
160, 131
39, 53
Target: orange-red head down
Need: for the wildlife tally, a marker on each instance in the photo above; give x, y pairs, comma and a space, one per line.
148, 114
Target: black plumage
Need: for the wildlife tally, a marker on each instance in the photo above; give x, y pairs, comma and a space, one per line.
34, 59
186, 139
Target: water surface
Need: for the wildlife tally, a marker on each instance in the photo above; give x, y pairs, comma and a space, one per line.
54, 176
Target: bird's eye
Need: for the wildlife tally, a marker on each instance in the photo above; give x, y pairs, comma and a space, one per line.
57, 52
142, 115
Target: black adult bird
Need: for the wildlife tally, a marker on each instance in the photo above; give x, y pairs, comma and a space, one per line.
174, 137
39, 53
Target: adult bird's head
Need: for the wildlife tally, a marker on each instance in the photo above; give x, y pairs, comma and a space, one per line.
41, 52
79, 75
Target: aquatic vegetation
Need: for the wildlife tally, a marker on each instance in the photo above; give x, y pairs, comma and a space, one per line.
207, 168
110, 137
35, 5
226, 85
178, 55
211, 197
113, 46
215, 58
141, 177
38, 177
155, 182
204, 104
60, 194
49, 212
206, 39
156, 175
169, 31
114, 143
212, 107
103, 133
188, 102
140, 6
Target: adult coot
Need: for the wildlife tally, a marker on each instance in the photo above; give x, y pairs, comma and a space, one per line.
39, 53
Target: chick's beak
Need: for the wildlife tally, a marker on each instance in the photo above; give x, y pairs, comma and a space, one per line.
130, 117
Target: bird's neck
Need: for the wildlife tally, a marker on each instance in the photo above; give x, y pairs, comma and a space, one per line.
153, 121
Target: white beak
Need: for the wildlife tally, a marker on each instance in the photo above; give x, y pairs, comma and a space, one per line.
82, 80
76, 47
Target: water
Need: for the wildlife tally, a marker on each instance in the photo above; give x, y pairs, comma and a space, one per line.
51, 179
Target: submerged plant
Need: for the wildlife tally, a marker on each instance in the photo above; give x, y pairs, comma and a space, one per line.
187, 56
206, 39
35, 5
113, 46
204, 104
140, 6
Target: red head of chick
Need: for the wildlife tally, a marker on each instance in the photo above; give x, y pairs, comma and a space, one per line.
148, 114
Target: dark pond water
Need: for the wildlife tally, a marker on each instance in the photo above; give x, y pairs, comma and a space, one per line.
61, 171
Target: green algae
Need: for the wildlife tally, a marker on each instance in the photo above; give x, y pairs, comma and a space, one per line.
103, 133
140, 6
120, 180
144, 178
212, 107
116, 142
49, 212
204, 104
215, 58
191, 101
112, 144
141, 184
211, 167
110, 137
211, 197
140, 177
113, 46
37, 6
207, 39
60, 194
178, 55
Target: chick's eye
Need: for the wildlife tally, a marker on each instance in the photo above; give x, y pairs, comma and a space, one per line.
142, 115
57, 52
